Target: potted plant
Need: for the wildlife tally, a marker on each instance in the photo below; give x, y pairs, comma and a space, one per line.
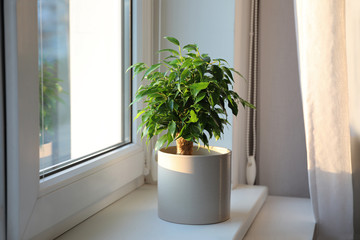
187, 103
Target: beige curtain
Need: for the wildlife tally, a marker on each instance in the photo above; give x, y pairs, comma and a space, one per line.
324, 86
353, 57
241, 63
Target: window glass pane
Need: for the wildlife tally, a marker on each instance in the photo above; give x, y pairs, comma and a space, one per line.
84, 50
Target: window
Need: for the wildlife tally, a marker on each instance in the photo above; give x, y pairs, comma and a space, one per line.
46, 208
84, 50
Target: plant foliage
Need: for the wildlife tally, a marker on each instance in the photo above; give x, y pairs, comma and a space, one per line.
188, 99
50, 89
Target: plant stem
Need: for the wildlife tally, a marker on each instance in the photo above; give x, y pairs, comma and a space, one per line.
184, 147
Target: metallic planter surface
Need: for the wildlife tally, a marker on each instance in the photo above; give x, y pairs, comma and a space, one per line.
194, 189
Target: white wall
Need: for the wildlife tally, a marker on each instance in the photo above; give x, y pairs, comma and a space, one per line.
209, 23
353, 60
281, 151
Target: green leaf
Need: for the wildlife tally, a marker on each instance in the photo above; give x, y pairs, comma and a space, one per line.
151, 69
144, 132
172, 128
217, 136
201, 71
168, 57
193, 55
139, 69
193, 117
233, 107
220, 60
139, 114
181, 132
170, 139
204, 139
217, 72
247, 104
232, 69
169, 50
171, 104
160, 142
200, 97
211, 101
191, 47
178, 87
228, 72
159, 129
141, 94
198, 62
174, 63
173, 40
137, 98
146, 116
134, 65
184, 74
187, 63
172, 76
176, 106
195, 88
140, 127
206, 58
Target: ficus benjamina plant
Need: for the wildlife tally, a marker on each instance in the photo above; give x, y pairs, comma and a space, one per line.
187, 101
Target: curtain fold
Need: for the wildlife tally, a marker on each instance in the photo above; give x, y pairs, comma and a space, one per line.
241, 63
324, 87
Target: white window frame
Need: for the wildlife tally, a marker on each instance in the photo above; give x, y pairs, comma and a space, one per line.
45, 209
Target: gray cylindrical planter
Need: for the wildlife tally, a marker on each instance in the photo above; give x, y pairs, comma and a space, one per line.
194, 189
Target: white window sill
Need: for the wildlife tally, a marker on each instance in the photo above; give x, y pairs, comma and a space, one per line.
284, 218
135, 217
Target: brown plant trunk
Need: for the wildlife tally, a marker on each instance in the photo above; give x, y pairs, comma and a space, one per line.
184, 147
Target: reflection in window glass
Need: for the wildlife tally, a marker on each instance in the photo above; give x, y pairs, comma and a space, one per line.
84, 50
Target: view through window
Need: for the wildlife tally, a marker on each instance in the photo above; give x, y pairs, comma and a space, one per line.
84, 50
